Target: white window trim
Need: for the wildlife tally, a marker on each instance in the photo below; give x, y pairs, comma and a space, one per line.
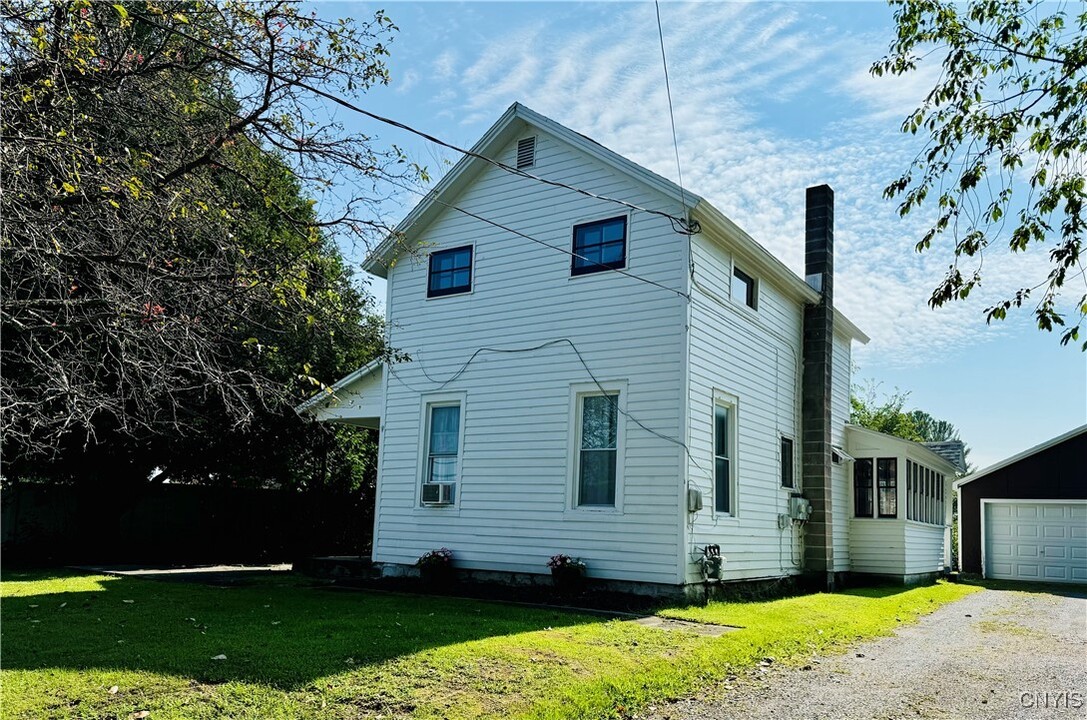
426, 402
577, 392
722, 398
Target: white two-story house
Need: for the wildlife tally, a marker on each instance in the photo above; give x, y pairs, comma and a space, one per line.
620, 373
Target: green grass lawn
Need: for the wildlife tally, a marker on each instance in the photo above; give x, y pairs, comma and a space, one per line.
298, 651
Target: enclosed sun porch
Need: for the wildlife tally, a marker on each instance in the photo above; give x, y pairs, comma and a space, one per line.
900, 513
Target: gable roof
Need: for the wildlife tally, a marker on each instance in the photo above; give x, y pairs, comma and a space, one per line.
1053, 442
510, 125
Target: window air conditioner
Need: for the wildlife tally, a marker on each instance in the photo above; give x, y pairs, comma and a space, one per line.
437, 494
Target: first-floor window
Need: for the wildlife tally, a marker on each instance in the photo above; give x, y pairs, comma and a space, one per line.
443, 444
862, 487
787, 463
598, 441
927, 489
887, 482
723, 455
909, 490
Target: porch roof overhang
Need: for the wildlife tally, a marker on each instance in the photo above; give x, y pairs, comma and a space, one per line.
356, 399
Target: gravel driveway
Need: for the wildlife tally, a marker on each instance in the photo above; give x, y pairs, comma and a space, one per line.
993, 655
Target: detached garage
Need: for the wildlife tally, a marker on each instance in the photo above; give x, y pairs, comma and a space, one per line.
1026, 518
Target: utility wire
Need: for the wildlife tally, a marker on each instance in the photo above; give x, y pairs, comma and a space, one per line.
268, 72
668, 93
675, 140
518, 233
442, 384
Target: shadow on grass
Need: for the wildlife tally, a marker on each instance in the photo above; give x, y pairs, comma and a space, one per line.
780, 590
1061, 589
283, 634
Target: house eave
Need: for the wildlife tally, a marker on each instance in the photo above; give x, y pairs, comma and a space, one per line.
513, 122
765, 262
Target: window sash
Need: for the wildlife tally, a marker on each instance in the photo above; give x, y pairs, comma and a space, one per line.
887, 483
909, 489
916, 492
862, 487
743, 288
598, 445
443, 443
787, 479
450, 271
723, 420
599, 246
928, 496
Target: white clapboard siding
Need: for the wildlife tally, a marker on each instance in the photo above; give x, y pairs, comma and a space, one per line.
515, 492
924, 548
755, 357
841, 495
877, 546
895, 547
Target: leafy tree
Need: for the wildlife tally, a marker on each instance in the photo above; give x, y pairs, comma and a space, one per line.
1006, 141
932, 430
169, 289
888, 415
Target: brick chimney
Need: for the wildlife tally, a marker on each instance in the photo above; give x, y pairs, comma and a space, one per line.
816, 392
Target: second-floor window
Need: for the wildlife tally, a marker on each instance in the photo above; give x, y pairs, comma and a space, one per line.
745, 289
600, 245
450, 272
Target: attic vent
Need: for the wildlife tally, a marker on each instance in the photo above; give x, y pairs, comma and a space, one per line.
526, 152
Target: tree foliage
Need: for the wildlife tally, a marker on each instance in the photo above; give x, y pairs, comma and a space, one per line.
172, 204
1006, 142
888, 415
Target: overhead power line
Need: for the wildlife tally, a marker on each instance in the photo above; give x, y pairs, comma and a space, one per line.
571, 253
268, 72
668, 93
610, 394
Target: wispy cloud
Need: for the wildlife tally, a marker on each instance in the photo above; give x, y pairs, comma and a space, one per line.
745, 79
407, 82
445, 65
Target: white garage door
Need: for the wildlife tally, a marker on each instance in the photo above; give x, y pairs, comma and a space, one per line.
1038, 541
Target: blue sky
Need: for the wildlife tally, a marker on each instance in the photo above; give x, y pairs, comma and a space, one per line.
769, 99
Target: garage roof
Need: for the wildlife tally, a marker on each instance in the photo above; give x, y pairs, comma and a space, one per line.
1025, 454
